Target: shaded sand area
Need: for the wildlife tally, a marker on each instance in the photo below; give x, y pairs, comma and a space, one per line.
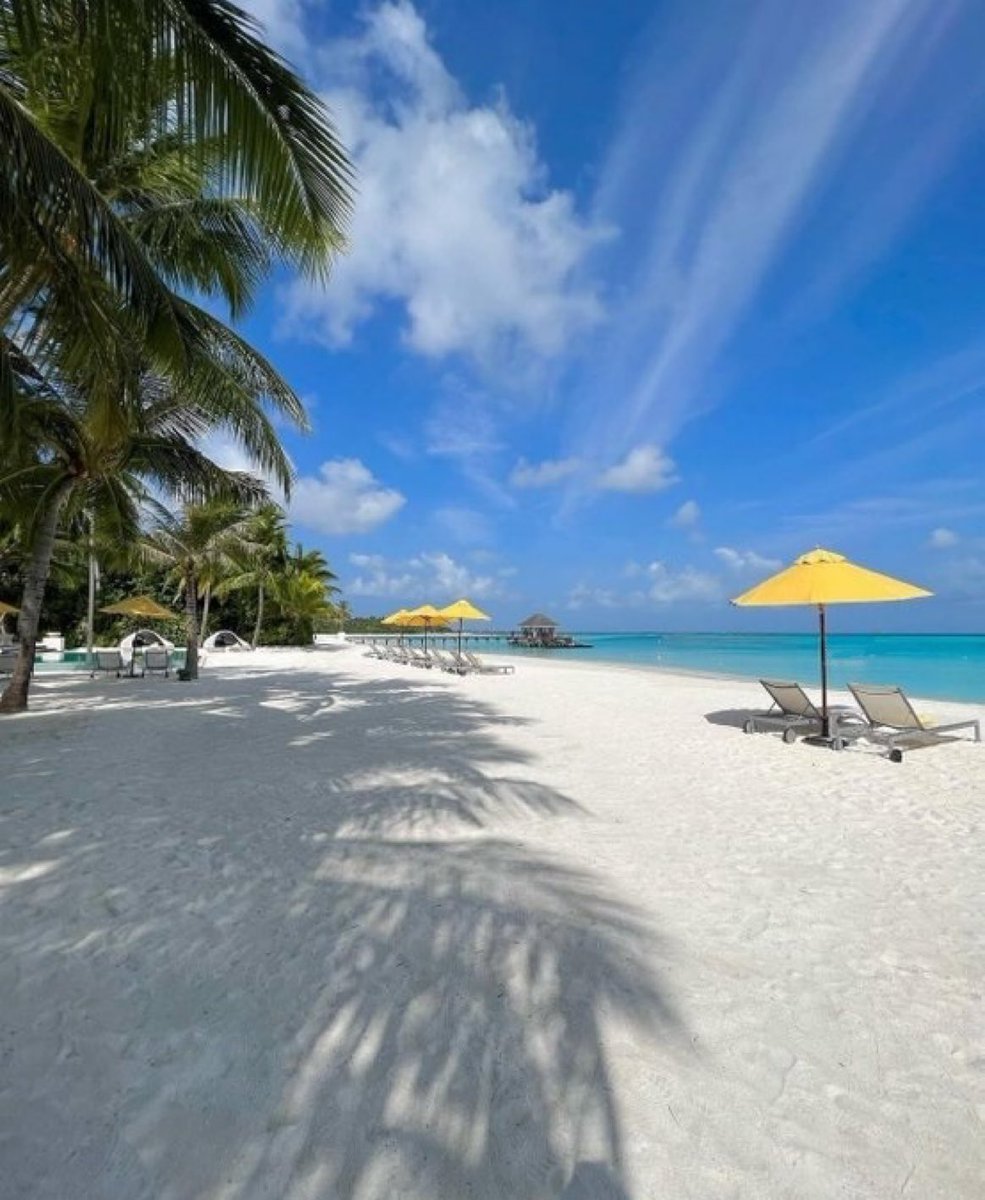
322, 927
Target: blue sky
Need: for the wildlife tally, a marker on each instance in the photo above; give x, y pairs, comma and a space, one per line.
642, 301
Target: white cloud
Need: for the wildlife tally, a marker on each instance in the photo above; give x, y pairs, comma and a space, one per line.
582, 595
746, 560
687, 516
454, 221
343, 498
644, 469
942, 539
665, 585
433, 577
281, 22
542, 474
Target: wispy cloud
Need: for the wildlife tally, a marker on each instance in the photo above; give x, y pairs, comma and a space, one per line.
688, 516
543, 474
768, 103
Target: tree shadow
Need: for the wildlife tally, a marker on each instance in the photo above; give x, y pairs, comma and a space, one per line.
734, 718
257, 975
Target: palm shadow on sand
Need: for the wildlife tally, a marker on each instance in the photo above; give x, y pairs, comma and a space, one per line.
392, 1015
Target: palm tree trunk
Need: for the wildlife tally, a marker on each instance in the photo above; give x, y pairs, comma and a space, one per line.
14, 698
191, 624
256, 630
202, 633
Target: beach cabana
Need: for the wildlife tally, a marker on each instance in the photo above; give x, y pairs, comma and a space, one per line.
819, 578
139, 606
225, 639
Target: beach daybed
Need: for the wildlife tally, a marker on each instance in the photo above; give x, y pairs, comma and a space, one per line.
225, 639
893, 720
793, 709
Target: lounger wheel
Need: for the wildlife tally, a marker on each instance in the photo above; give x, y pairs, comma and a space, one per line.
790, 736
896, 756
749, 727
837, 743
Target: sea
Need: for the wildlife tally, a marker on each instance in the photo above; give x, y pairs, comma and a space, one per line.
942, 666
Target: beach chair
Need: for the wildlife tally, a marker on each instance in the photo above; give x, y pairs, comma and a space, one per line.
449, 661
157, 658
484, 668
108, 661
794, 710
894, 722
418, 658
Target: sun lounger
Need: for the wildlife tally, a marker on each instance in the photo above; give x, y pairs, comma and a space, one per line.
109, 661
794, 710
449, 661
894, 721
485, 668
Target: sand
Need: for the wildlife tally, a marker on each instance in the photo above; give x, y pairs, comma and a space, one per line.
319, 926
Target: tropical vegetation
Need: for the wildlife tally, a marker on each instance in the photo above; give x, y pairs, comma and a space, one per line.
152, 154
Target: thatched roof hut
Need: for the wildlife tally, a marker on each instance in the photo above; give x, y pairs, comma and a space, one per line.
538, 621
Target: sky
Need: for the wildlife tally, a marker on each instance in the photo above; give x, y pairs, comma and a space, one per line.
641, 301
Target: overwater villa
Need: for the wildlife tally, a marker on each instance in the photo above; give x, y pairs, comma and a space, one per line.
541, 632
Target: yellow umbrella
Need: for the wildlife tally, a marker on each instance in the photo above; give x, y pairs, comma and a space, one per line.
822, 577
139, 606
424, 617
464, 610
396, 618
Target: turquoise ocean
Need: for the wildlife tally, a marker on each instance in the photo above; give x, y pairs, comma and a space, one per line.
945, 666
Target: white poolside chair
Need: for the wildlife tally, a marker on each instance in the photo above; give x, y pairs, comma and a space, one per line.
110, 662
157, 658
894, 722
793, 710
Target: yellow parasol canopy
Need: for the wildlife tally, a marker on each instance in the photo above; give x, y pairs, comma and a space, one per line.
139, 606
464, 610
395, 618
823, 577
424, 617
7, 610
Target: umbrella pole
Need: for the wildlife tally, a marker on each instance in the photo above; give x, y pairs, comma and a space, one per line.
460, 622
825, 720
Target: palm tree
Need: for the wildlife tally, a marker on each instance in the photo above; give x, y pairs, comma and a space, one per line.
302, 599
343, 612
145, 147
313, 562
82, 461
195, 543
264, 562
83, 82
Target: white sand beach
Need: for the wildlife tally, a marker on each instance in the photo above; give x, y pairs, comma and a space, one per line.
323, 927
